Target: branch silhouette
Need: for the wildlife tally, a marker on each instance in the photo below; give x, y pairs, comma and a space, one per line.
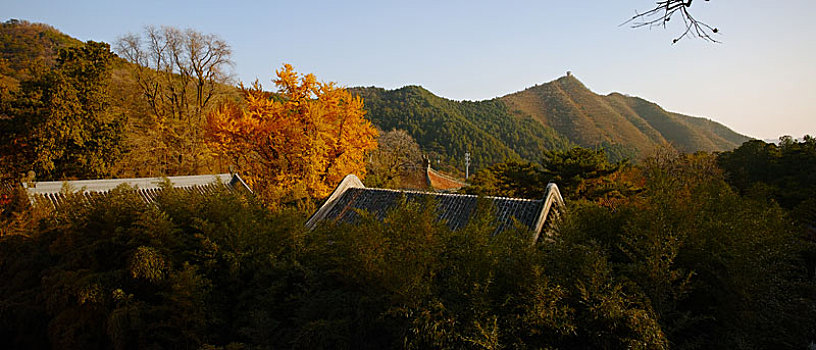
665, 10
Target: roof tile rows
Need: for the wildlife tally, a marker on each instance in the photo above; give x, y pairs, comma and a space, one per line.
455, 210
148, 189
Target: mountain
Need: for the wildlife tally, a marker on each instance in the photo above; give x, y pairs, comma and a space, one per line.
633, 123
554, 115
447, 129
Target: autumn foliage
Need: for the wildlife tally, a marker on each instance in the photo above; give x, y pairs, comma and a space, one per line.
296, 143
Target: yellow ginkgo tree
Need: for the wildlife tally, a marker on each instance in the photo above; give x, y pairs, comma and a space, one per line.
298, 142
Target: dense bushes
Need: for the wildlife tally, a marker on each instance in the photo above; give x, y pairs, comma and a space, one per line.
222, 270
719, 270
684, 263
120, 273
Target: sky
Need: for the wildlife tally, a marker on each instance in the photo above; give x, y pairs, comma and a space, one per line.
760, 80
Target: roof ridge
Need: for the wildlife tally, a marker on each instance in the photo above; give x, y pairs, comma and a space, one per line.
351, 197
99, 185
54, 190
452, 194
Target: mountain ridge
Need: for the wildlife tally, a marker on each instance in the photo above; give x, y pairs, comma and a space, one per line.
554, 115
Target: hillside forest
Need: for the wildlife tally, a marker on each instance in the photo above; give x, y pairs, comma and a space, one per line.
678, 233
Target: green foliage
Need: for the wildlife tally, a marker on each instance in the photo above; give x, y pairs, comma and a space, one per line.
446, 129
686, 263
577, 164
131, 136
115, 272
162, 137
518, 179
434, 288
221, 271
60, 125
580, 173
664, 254
719, 270
785, 173
26, 48
554, 116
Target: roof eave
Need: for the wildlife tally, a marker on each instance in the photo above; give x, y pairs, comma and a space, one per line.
350, 181
553, 197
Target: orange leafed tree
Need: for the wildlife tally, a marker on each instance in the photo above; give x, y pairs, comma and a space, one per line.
299, 142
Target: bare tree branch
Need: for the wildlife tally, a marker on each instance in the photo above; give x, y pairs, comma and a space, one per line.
180, 73
663, 12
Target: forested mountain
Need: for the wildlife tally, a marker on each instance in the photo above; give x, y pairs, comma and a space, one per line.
447, 129
555, 115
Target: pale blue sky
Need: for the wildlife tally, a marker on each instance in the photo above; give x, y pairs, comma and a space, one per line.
761, 81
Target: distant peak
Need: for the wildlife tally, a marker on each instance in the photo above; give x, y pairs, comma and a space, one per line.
571, 80
568, 76
568, 81
413, 88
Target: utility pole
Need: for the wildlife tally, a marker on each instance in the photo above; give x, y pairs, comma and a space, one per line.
467, 165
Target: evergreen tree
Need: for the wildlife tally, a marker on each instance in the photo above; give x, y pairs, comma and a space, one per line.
60, 124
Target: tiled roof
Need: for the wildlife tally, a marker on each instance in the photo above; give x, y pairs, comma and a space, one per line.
455, 210
53, 192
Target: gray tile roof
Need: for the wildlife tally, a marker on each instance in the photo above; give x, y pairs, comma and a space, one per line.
148, 189
455, 210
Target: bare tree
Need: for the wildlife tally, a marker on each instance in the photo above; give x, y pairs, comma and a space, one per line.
179, 73
397, 156
663, 12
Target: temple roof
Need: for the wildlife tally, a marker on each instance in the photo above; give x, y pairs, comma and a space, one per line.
148, 188
455, 210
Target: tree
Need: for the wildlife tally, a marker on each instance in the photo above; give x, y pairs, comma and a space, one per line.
662, 13
719, 270
297, 143
180, 74
60, 124
575, 165
26, 48
581, 173
520, 179
396, 157
784, 173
